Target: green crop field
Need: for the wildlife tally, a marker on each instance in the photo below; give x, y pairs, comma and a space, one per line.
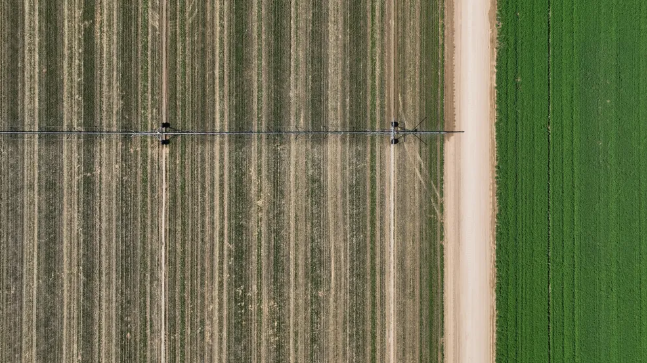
572, 181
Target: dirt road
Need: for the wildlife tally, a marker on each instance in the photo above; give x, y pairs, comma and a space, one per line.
469, 185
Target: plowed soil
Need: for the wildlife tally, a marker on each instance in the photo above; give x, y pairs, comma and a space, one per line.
269, 249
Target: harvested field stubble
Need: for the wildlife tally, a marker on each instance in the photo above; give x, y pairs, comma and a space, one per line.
275, 248
79, 237
279, 246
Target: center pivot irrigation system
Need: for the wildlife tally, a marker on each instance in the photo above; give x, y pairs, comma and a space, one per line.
165, 132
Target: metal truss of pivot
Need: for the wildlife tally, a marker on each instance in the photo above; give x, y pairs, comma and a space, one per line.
166, 132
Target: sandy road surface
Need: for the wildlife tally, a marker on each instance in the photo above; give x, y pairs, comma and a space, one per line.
469, 187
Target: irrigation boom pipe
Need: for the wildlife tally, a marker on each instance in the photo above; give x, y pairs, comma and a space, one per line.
227, 133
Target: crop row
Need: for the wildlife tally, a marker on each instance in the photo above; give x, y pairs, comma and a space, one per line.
571, 247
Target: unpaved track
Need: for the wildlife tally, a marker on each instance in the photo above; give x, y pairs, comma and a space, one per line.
391, 321
469, 187
163, 216
163, 155
392, 115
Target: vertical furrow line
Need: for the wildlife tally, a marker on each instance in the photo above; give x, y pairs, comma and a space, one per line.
344, 179
391, 322
67, 193
179, 289
642, 175
163, 166
391, 329
218, 195
100, 173
316, 185
12, 241
291, 196
264, 190
549, 105
30, 206
253, 271
226, 217
100, 298
379, 219
171, 23
138, 293
438, 312
408, 177
152, 166
369, 241
107, 31
295, 98
420, 245
367, 297
77, 114
210, 238
334, 335
296, 222
114, 153
71, 98
300, 149
202, 77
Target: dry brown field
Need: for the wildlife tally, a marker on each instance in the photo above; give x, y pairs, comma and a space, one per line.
264, 248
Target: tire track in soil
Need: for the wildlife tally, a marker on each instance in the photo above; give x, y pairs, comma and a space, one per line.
71, 245
163, 155
381, 186
221, 114
30, 181
410, 188
226, 182
368, 297
391, 77
255, 184
391, 328
265, 282
204, 251
153, 279
335, 307
292, 181
110, 89
317, 188
299, 288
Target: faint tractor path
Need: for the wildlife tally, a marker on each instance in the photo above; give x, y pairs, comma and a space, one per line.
392, 113
392, 261
469, 184
163, 232
163, 167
